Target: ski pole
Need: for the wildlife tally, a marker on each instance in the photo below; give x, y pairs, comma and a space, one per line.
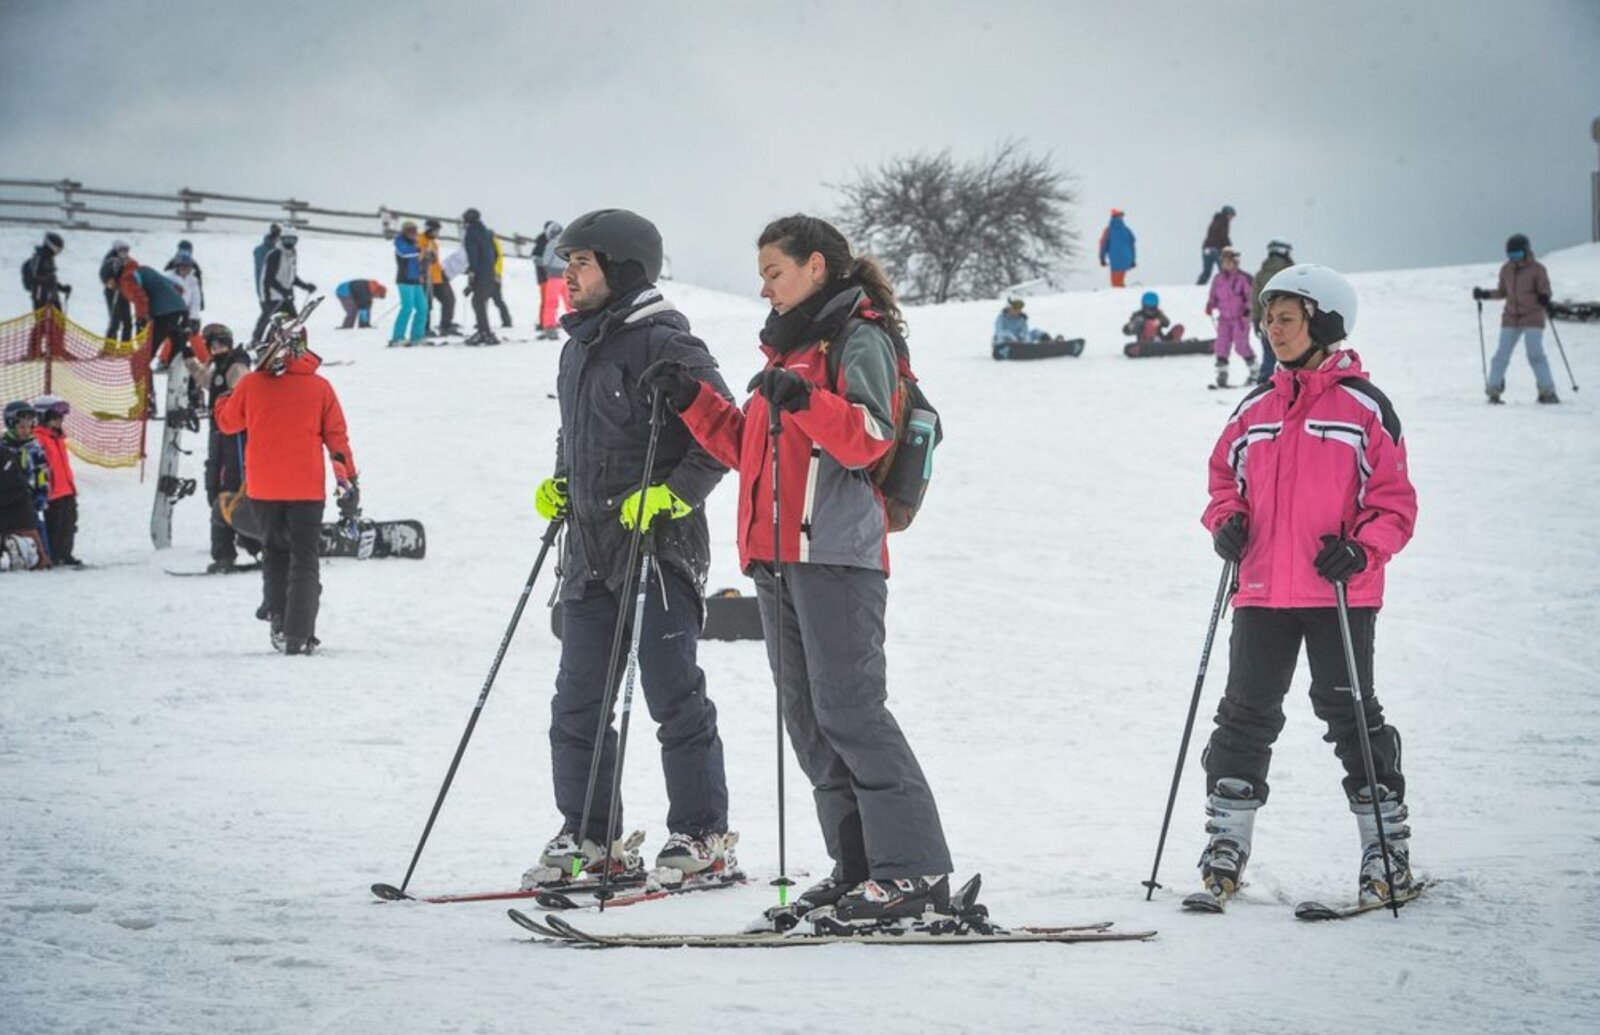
608, 699
483, 695
1559, 348
775, 429
646, 556
1483, 350
1225, 588
1366, 742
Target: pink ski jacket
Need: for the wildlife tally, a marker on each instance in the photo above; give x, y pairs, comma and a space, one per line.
1230, 294
1308, 454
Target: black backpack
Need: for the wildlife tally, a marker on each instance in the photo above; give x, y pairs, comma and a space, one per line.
30, 274
903, 473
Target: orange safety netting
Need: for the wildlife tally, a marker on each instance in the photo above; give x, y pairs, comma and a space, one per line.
107, 382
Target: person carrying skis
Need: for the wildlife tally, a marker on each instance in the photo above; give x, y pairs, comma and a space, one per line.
290, 415
478, 241
412, 322
61, 514
46, 295
1118, 248
24, 490
549, 268
619, 327
1229, 302
224, 452
1217, 238
1278, 259
1148, 323
1525, 286
435, 280
879, 819
117, 307
1309, 486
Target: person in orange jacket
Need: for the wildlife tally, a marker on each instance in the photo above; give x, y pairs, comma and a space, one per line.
61, 517
290, 414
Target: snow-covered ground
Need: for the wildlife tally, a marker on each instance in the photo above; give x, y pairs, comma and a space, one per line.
191, 821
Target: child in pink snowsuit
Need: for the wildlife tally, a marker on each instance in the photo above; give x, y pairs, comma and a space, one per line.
1230, 301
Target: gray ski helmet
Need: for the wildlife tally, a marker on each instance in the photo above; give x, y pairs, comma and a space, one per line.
619, 235
1278, 246
1332, 299
17, 410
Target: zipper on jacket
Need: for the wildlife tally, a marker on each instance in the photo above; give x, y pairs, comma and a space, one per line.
810, 502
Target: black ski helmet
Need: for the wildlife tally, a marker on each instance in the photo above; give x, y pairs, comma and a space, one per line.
216, 334
1518, 243
54, 240
1228, 211
17, 410
471, 215
629, 244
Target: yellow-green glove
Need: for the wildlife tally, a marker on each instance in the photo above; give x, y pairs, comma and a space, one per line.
658, 499
551, 498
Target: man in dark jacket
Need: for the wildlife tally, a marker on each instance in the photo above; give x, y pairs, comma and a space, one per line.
45, 292
280, 275
224, 453
269, 241
478, 241
621, 325
1217, 238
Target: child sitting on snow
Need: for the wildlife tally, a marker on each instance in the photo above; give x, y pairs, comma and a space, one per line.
1148, 323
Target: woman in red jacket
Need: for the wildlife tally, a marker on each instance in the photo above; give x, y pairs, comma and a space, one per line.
879, 819
1309, 487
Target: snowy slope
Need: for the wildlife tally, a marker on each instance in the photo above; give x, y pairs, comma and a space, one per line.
191, 821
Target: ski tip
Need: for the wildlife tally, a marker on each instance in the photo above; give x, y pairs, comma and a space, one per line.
389, 893
1316, 911
1203, 902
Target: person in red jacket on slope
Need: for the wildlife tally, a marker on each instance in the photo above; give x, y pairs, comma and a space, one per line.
290, 415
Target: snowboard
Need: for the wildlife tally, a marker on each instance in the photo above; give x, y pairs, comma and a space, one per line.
729, 616
1581, 311
375, 539
1047, 349
1187, 347
182, 411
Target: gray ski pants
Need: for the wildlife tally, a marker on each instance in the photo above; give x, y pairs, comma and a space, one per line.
877, 812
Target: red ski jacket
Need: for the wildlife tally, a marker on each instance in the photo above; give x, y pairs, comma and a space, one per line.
290, 420
54, 444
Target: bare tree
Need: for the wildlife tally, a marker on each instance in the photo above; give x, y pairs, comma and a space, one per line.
944, 230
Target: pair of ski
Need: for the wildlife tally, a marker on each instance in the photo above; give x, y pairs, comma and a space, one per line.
626, 890
1208, 902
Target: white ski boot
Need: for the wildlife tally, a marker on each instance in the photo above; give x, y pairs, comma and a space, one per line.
555, 862
1375, 876
1230, 820
1222, 373
685, 855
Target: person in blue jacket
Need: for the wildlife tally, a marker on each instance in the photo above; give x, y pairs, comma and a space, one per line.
412, 324
1011, 326
1117, 248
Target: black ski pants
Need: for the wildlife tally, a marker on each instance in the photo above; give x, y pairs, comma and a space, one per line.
292, 534
674, 689
1261, 661
61, 527
445, 295
480, 303
121, 312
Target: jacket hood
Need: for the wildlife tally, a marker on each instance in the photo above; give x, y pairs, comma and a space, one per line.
646, 307
306, 364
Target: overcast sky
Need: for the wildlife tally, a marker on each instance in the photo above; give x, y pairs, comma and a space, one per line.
1372, 133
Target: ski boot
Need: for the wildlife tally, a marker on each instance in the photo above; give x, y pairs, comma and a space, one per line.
685, 855
877, 903
1548, 395
556, 861
296, 645
1375, 876
1230, 820
1494, 395
279, 642
221, 566
1254, 375
1222, 373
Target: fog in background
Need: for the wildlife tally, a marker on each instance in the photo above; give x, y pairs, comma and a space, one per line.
1371, 134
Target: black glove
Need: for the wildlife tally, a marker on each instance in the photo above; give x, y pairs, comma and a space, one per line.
350, 501
1229, 539
784, 389
673, 380
1340, 558
66, 289
311, 288
1479, 294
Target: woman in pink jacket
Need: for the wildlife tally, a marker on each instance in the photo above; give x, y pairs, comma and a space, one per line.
1309, 487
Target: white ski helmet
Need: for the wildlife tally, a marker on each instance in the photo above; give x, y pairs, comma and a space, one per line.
1332, 308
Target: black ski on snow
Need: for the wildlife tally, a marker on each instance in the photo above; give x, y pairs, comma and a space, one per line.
560, 899
237, 569
572, 936
390, 893
1318, 911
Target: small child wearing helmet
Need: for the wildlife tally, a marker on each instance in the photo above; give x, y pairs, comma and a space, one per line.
24, 490
1148, 323
61, 514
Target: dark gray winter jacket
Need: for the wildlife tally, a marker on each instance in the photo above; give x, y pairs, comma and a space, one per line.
605, 433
